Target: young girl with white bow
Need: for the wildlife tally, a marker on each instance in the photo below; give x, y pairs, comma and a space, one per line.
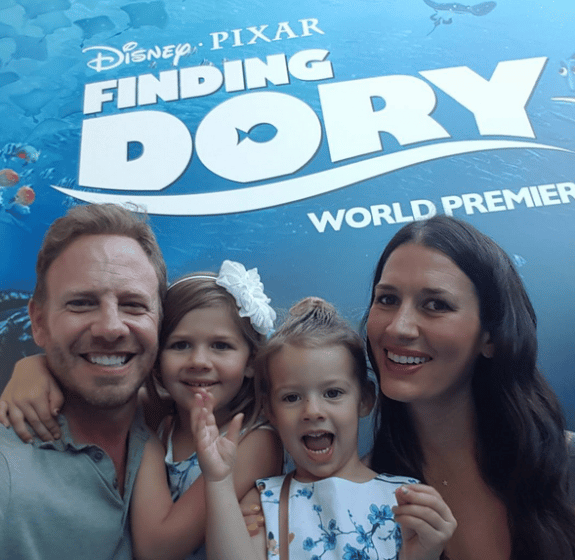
212, 328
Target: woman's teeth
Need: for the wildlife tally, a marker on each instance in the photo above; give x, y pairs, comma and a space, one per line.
406, 359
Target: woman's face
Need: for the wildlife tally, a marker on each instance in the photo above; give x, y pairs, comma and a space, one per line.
424, 327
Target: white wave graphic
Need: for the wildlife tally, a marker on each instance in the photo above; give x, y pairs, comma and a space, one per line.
298, 188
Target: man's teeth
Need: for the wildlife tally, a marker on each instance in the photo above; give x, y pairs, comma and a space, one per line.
107, 360
406, 359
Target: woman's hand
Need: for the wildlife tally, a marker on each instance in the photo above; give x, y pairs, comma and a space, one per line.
426, 522
32, 395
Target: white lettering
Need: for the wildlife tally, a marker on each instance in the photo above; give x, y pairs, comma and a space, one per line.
353, 127
104, 160
95, 95
566, 190
498, 104
222, 150
327, 218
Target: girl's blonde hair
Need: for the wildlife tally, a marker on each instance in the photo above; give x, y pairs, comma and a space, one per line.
200, 291
313, 323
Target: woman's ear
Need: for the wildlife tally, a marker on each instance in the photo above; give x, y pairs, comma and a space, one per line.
367, 399
249, 371
487, 347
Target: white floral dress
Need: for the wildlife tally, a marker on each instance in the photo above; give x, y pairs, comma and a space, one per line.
335, 519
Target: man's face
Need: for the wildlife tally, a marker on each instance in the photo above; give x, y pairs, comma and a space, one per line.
99, 323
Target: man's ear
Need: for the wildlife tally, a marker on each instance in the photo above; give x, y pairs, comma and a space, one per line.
487, 347
36, 313
367, 399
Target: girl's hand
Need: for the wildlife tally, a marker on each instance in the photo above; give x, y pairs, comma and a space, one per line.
426, 522
216, 454
32, 395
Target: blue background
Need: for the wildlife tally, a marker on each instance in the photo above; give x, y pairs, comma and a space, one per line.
42, 76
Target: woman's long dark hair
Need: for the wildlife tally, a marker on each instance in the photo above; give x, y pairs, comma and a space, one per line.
522, 450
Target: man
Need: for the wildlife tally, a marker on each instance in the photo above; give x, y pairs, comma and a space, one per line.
95, 311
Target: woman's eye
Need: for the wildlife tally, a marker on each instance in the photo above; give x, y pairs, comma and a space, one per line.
333, 393
437, 305
387, 299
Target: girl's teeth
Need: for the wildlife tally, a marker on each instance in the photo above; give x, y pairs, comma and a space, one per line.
406, 359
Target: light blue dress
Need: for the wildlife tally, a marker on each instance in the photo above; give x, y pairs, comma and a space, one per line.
334, 518
182, 474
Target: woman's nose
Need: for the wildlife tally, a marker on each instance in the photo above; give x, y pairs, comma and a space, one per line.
404, 323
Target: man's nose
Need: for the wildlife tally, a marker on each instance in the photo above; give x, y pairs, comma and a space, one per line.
109, 323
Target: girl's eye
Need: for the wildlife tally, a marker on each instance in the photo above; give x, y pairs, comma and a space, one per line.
291, 398
437, 305
221, 345
333, 393
179, 345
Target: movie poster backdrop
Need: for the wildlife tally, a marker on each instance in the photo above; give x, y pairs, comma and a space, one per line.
295, 137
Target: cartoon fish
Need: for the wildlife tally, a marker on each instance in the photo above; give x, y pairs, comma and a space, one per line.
28, 153
567, 70
25, 196
259, 133
8, 178
480, 9
477, 10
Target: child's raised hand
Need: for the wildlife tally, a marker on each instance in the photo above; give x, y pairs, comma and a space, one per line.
32, 395
426, 522
216, 453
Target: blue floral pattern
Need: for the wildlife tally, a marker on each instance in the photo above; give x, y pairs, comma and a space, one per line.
335, 519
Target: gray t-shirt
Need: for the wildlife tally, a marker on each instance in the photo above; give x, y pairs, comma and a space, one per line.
59, 500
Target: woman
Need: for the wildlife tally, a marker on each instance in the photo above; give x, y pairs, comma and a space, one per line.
451, 334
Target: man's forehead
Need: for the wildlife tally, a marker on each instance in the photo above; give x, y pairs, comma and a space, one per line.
94, 258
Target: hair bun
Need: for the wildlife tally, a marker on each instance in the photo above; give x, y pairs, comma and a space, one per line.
313, 308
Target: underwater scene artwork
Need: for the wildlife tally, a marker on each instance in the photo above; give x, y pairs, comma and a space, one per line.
294, 137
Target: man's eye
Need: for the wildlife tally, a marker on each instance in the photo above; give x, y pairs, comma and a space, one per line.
134, 306
81, 304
